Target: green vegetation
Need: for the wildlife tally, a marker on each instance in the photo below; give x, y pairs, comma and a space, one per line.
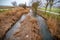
57, 10
3, 10
49, 15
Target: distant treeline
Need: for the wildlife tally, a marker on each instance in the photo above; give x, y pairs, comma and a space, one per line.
2, 7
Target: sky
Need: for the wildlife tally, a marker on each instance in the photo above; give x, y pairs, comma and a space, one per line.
8, 2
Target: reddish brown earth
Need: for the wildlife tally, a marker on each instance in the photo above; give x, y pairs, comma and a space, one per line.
54, 28
8, 18
29, 30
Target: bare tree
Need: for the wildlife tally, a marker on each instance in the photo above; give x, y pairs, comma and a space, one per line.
14, 3
34, 7
32, 1
50, 3
23, 5
47, 2
57, 1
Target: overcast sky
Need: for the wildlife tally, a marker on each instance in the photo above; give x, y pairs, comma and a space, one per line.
8, 2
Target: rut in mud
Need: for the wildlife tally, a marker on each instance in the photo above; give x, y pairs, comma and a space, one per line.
29, 28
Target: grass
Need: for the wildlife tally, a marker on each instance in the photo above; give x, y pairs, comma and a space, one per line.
48, 15
3, 10
57, 10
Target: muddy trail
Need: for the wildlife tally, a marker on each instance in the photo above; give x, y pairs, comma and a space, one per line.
24, 33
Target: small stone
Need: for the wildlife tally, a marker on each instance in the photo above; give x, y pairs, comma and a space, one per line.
27, 36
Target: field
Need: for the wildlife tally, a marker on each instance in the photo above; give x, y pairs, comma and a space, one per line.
57, 10
8, 18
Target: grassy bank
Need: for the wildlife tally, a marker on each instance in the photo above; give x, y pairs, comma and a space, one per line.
53, 22
10, 17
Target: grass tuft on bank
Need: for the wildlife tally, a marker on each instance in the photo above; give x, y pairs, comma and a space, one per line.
53, 22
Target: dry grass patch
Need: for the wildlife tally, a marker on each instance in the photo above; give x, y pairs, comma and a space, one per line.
7, 19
